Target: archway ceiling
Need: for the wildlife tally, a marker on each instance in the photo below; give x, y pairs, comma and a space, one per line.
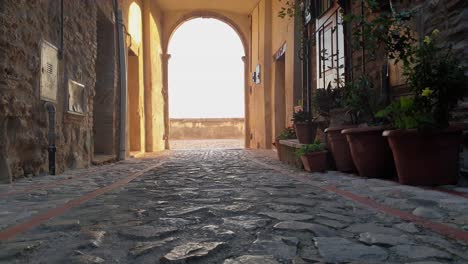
244, 7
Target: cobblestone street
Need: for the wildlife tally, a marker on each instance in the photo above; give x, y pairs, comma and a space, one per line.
227, 206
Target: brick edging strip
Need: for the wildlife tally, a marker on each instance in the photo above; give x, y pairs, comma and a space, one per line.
452, 192
39, 219
442, 229
446, 230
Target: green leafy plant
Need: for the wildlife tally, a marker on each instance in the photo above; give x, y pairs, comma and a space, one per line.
376, 31
328, 99
288, 133
317, 146
301, 116
403, 114
437, 80
361, 100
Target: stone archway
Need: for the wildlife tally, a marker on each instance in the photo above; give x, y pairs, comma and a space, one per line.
242, 29
136, 128
207, 14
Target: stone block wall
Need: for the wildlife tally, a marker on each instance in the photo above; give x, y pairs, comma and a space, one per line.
207, 128
23, 117
450, 17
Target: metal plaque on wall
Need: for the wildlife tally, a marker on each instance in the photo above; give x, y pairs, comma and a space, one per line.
76, 98
49, 72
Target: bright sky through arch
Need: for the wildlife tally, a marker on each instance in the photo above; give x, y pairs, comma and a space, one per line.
206, 72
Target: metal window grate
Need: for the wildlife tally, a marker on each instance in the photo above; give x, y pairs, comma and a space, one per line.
49, 68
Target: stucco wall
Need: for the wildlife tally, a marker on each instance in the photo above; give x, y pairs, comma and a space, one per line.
284, 33
207, 128
154, 104
150, 109
259, 93
269, 34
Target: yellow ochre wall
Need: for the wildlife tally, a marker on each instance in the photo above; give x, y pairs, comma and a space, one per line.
269, 33
283, 32
154, 109
149, 51
262, 32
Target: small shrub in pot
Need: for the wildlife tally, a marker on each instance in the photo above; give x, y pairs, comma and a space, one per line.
287, 133
306, 128
314, 157
425, 146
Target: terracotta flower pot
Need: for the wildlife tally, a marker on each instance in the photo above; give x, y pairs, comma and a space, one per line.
315, 162
306, 132
339, 148
426, 158
370, 152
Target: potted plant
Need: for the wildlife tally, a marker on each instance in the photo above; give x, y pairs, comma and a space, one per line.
329, 103
287, 133
385, 33
313, 156
370, 151
306, 128
425, 146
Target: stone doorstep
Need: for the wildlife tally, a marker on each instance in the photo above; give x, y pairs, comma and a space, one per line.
288, 155
137, 154
103, 159
293, 143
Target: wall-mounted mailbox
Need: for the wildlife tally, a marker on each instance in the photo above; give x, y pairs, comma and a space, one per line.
76, 98
49, 72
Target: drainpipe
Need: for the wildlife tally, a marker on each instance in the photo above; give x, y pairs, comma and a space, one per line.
52, 149
61, 31
363, 48
122, 81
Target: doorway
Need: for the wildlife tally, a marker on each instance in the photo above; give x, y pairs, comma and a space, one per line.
280, 96
104, 121
134, 104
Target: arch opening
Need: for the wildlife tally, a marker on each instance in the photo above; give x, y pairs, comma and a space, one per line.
135, 89
206, 76
135, 22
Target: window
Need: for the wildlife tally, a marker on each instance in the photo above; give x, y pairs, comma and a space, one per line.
330, 49
323, 6
326, 49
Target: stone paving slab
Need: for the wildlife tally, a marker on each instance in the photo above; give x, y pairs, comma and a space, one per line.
222, 206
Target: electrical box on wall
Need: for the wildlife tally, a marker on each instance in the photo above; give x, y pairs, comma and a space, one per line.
256, 75
49, 72
76, 98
